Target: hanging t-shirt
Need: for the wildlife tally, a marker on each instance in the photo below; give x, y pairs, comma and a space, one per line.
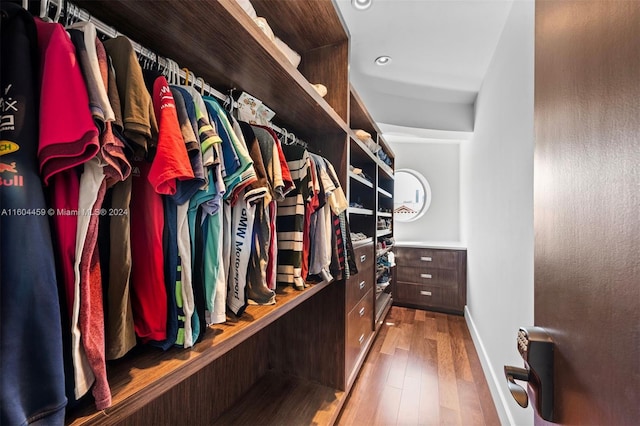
271, 160
171, 162
91, 313
88, 56
148, 293
236, 180
322, 227
242, 218
290, 220
68, 136
31, 372
112, 149
137, 108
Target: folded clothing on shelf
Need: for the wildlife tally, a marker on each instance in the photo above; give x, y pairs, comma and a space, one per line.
358, 236
362, 135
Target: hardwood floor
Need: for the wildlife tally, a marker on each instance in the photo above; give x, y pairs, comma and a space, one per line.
422, 370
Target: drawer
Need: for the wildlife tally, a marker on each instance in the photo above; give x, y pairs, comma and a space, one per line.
428, 296
365, 259
428, 276
357, 286
445, 259
359, 328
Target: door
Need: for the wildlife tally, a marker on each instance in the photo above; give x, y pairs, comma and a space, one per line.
587, 205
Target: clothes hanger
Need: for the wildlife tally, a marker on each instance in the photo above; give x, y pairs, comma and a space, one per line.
201, 85
228, 103
285, 136
44, 10
186, 76
56, 17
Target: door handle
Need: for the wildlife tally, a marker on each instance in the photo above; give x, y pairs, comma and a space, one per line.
536, 349
517, 391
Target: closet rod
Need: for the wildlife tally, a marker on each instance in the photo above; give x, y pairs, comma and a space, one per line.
82, 15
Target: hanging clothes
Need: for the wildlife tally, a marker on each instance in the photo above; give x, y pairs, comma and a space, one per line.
149, 298
31, 371
290, 220
68, 137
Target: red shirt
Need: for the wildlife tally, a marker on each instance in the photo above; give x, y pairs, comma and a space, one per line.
171, 161
68, 135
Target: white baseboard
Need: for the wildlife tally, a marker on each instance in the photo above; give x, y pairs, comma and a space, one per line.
495, 382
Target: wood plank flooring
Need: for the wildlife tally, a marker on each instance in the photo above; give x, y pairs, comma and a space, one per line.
422, 370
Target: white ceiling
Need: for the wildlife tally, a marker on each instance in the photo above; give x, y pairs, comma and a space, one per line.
440, 51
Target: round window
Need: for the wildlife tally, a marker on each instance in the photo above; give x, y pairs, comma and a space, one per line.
412, 195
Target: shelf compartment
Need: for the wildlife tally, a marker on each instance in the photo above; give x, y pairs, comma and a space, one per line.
357, 210
212, 53
383, 303
360, 179
384, 251
147, 372
279, 399
386, 194
386, 169
383, 232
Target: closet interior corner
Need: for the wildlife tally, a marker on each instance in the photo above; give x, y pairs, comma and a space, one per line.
295, 361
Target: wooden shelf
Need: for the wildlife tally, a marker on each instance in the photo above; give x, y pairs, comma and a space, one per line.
385, 214
386, 169
383, 232
384, 251
364, 147
360, 179
386, 194
359, 243
383, 303
279, 399
356, 210
147, 372
228, 51
360, 117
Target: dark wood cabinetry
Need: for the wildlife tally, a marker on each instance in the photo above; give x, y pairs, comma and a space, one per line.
431, 278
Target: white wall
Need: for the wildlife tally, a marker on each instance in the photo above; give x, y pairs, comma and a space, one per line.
440, 164
497, 207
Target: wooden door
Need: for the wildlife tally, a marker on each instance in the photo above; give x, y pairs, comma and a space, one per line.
587, 205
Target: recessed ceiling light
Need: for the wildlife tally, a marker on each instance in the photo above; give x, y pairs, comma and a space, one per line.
383, 60
361, 4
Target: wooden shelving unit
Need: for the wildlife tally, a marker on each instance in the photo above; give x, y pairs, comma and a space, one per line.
141, 375
294, 362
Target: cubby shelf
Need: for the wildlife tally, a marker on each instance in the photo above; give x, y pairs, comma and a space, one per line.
386, 194
356, 210
360, 179
383, 232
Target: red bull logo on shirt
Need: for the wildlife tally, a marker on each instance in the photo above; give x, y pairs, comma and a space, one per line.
7, 147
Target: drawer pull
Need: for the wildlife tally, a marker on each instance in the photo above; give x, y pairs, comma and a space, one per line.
361, 311
363, 258
425, 293
361, 285
426, 259
429, 276
361, 339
